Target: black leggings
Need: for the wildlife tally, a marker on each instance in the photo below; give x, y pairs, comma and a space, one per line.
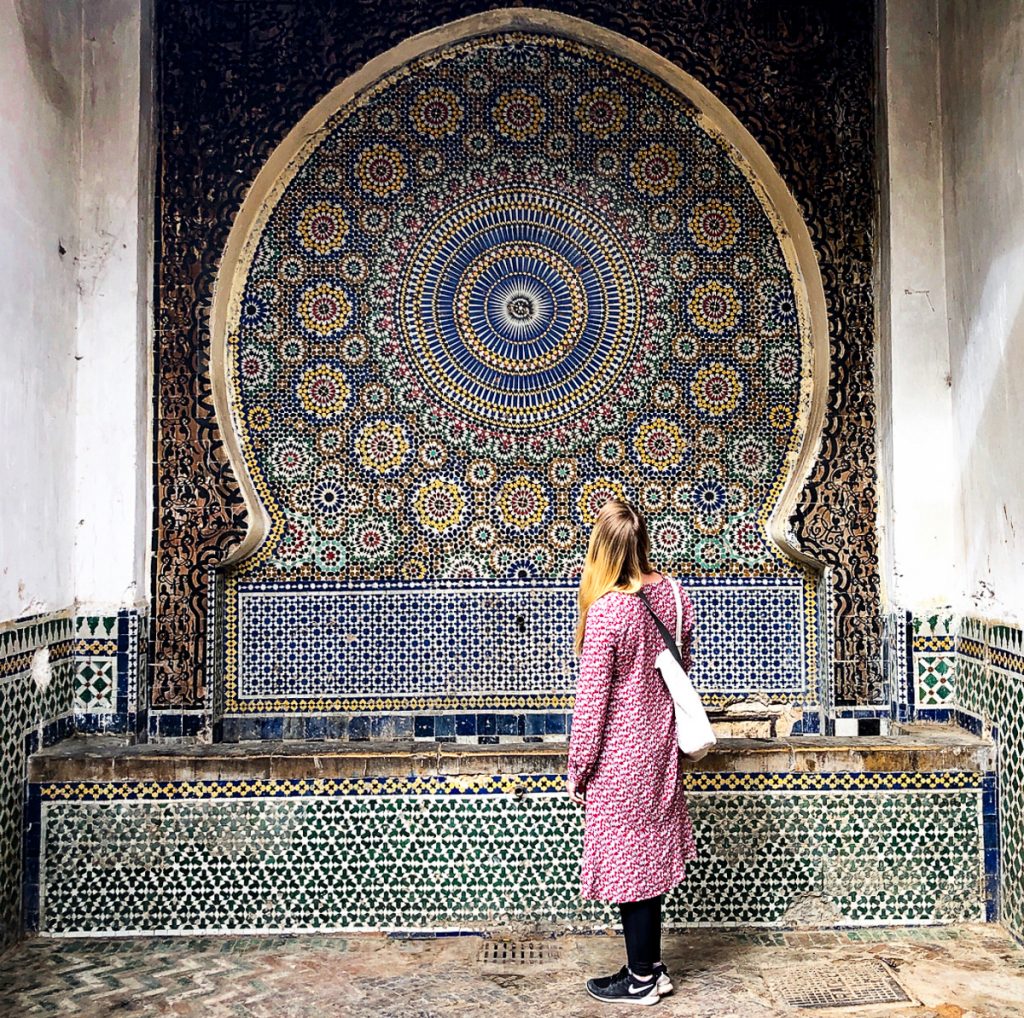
641, 926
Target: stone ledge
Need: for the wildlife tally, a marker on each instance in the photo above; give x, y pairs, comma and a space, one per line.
920, 748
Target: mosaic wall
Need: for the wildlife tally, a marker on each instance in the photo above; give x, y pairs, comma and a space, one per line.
93, 664
442, 852
110, 661
28, 715
988, 695
241, 108
509, 281
934, 659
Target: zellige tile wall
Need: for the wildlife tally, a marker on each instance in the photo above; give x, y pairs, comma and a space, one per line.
439, 852
29, 713
989, 690
92, 663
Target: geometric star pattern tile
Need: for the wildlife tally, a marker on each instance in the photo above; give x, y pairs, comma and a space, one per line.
489, 642
365, 861
96, 685
989, 685
24, 709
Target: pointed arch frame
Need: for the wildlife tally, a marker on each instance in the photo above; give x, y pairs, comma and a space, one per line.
778, 202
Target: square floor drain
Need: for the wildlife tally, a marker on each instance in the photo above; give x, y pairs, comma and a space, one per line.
518, 952
839, 984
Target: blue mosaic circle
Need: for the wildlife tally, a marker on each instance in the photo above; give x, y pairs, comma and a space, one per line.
520, 309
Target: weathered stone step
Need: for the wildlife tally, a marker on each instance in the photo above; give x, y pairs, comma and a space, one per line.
918, 748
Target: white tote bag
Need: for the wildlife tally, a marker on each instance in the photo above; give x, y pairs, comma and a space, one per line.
693, 730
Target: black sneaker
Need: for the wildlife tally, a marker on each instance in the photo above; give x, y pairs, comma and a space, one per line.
624, 988
661, 976
603, 982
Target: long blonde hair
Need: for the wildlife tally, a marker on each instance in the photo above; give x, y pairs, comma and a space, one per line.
618, 555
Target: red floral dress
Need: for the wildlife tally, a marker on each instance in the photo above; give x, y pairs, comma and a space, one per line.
623, 754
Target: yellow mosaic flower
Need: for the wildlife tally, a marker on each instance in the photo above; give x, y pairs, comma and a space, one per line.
522, 503
716, 389
324, 309
656, 169
594, 495
439, 505
714, 225
322, 227
259, 418
381, 170
323, 391
382, 446
436, 112
714, 306
518, 114
601, 112
780, 417
659, 444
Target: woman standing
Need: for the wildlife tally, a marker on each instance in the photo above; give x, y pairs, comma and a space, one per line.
623, 755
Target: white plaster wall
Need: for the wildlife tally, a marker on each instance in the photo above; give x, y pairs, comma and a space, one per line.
40, 74
916, 442
75, 174
111, 449
982, 94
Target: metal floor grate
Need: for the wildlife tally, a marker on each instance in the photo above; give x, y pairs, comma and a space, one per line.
518, 952
838, 984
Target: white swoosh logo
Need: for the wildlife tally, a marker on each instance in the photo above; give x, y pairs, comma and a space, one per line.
642, 988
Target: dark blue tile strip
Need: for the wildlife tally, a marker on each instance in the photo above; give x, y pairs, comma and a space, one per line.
969, 722
907, 710
30, 859
939, 715
991, 840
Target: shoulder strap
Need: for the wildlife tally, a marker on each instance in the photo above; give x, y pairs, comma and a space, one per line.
662, 628
679, 607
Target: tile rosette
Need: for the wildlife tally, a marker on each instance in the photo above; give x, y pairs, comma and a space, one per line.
500, 287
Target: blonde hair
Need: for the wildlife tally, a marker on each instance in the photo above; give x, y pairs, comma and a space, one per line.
617, 557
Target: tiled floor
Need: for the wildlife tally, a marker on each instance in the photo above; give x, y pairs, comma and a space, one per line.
957, 972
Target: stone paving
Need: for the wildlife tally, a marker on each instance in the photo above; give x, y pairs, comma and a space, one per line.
954, 972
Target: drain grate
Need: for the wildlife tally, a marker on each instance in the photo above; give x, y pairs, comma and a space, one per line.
842, 984
518, 952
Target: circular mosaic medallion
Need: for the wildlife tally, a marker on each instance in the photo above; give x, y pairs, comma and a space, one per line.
520, 309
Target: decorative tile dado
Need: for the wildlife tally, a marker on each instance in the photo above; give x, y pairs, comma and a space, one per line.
432, 853
197, 500
990, 688
110, 654
934, 659
30, 711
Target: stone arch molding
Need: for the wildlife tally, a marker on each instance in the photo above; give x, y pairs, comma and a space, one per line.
554, 301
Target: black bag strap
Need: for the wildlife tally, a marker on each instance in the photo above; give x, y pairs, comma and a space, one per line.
670, 643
